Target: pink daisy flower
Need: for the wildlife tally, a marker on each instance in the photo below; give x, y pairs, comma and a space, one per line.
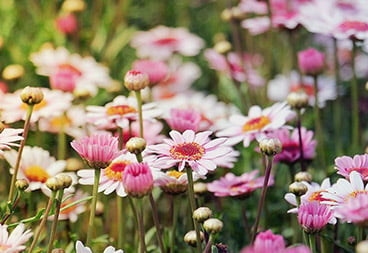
14, 242
98, 150
157, 71
161, 42
184, 119
8, 137
80, 248
138, 179
111, 178
191, 149
354, 209
235, 186
172, 181
54, 103
359, 163
258, 122
313, 216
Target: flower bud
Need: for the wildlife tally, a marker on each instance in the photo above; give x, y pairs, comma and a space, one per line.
136, 80
222, 47
81, 94
362, 247
21, 184
136, 145
65, 179
298, 100
201, 214
137, 180
31, 95
191, 238
200, 188
54, 184
298, 188
303, 176
213, 225
58, 250
13, 71
311, 62
100, 208
226, 15
237, 13
270, 146
73, 6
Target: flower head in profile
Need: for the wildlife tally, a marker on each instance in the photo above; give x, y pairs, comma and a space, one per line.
190, 149
311, 61
138, 180
14, 242
172, 181
97, 150
8, 138
80, 248
359, 163
313, 216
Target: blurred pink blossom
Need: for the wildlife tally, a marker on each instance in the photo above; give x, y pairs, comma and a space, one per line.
184, 119
67, 23
311, 61
157, 71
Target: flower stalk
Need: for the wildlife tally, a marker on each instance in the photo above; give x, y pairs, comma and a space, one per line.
59, 199
93, 207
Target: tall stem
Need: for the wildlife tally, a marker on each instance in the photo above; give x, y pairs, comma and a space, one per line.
119, 204
337, 104
20, 151
93, 207
245, 220
263, 197
301, 150
43, 221
175, 210
139, 101
61, 139
157, 223
312, 243
59, 199
139, 211
193, 207
354, 104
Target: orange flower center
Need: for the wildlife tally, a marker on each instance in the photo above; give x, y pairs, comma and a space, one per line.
115, 170
69, 209
175, 173
306, 88
4, 247
317, 196
36, 173
166, 41
256, 124
354, 194
60, 121
120, 110
70, 68
36, 107
187, 151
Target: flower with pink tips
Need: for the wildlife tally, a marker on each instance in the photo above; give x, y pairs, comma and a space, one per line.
354, 209
9, 137
258, 122
80, 248
190, 149
97, 150
172, 181
14, 242
237, 186
157, 71
138, 180
346, 164
313, 216
184, 119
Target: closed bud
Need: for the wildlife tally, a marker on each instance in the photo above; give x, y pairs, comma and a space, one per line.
200, 188
54, 184
298, 100
21, 184
298, 188
191, 238
303, 176
222, 47
31, 95
74, 164
201, 214
213, 225
65, 179
58, 250
136, 80
73, 6
136, 145
100, 208
226, 15
13, 71
362, 247
270, 146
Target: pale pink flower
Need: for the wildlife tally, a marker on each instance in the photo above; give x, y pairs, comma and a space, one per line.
161, 42
97, 150
184, 119
36, 166
9, 137
111, 178
359, 163
67, 24
54, 103
313, 216
70, 72
157, 71
14, 242
172, 181
258, 122
138, 179
354, 209
80, 248
190, 149
311, 61
119, 112
253, 6
257, 25
237, 186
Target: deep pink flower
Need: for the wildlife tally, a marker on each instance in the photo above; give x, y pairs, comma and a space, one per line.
184, 119
67, 24
231, 185
346, 164
98, 150
266, 242
137, 179
313, 216
311, 61
157, 71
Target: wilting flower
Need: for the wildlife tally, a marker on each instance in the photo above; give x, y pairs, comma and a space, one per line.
237, 186
258, 121
14, 242
359, 163
313, 216
8, 137
36, 165
80, 248
190, 149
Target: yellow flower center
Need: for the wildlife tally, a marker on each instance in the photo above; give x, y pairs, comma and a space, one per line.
36, 173
187, 151
317, 196
36, 107
256, 124
175, 173
60, 121
120, 110
115, 170
354, 194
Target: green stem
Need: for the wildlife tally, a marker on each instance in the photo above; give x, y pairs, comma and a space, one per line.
326, 247
11, 211
354, 103
245, 220
157, 223
359, 235
62, 139
119, 204
193, 207
301, 150
139, 101
55, 221
20, 151
312, 243
139, 211
93, 207
43, 221
263, 197
337, 104
175, 210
